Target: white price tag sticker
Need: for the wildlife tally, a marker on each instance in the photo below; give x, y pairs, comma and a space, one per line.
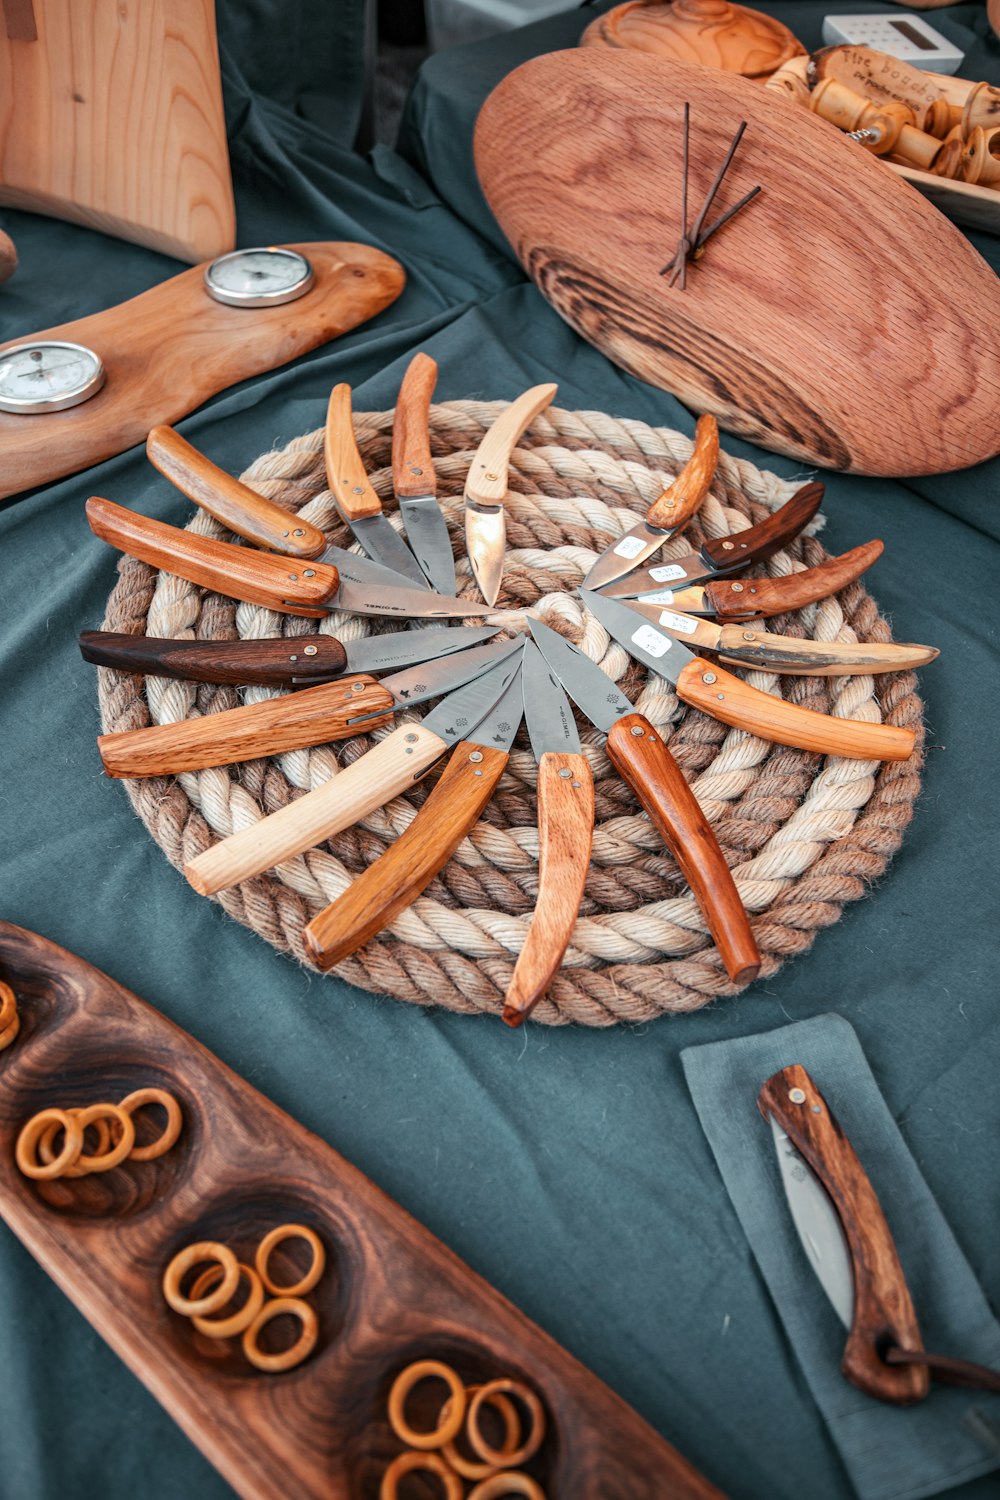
666, 573
651, 641
678, 622
630, 546
663, 596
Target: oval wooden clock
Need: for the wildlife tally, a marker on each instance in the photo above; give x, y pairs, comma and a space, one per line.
839, 318
75, 395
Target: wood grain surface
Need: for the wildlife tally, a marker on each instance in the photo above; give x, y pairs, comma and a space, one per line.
732, 599
345, 470
883, 1310
391, 1292
817, 324
412, 465
8, 256
487, 479
270, 663
714, 33
640, 756
113, 118
201, 347
759, 542
681, 500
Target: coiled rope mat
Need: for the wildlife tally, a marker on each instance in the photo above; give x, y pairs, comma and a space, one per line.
804, 834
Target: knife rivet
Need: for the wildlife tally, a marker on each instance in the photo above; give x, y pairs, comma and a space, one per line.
577, 785
720, 696
415, 470
293, 577
565, 774
309, 573
476, 755
409, 752
797, 1096
708, 677
817, 1109
477, 773
310, 651
293, 658
284, 533
737, 588
411, 739
637, 730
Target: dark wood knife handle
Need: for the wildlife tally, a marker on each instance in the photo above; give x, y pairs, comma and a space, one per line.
640, 756
733, 599
883, 1309
230, 501
241, 572
412, 465
312, 658
757, 543
396, 879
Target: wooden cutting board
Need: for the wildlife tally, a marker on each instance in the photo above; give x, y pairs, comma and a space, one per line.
839, 319
391, 1293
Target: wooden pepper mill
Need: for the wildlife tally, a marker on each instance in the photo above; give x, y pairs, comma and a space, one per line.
714, 33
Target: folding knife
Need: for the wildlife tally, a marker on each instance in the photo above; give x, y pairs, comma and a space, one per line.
486, 487
725, 555
414, 480
287, 662
643, 760
357, 502
565, 834
264, 577
708, 686
668, 514
314, 716
751, 598
396, 879
394, 764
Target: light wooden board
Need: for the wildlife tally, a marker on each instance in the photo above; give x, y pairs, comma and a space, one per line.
819, 323
963, 202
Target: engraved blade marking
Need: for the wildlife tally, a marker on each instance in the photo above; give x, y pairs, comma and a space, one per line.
498, 729
589, 687
458, 715
430, 680
427, 534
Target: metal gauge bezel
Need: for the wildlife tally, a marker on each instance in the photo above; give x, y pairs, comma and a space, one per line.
290, 293
36, 406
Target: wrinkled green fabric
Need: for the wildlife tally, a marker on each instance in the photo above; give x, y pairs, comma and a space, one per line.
568, 1166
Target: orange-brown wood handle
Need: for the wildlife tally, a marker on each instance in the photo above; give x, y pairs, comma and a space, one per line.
412, 465
757, 543
389, 885
883, 1310
227, 499
311, 717
565, 835
640, 756
740, 599
680, 500
345, 468
708, 686
791, 654
241, 572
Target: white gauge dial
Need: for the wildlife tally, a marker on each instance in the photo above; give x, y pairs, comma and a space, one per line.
259, 278
48, 375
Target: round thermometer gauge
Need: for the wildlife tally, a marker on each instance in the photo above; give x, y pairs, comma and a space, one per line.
48, 375
259, 278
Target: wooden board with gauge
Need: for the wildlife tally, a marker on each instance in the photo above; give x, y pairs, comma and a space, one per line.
77, 394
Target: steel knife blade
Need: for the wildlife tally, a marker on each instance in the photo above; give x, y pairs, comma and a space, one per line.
431, 679
413, 478
589, 687
817, 1224
547, 711
408, 603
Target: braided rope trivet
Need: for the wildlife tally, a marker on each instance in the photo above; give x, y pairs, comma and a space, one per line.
804, 834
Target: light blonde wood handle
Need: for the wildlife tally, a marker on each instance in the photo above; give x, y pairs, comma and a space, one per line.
387, 769
487, 481
412, 465
707, 686
313, 717
345, 469
680, 500
565, 835
396, 879
241, 509
794, 655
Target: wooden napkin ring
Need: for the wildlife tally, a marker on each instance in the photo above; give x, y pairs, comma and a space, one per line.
287, 1232
9, 1033
274, 1363
508, 1482
237, 1322
46, 1149
139, 1100
8, 1007
200, 1307
423, 1463
512, 1436
536, 1411
452, 1414
24, 1153
104, 1160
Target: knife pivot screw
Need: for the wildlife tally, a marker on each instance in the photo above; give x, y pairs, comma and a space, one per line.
476, 755
357, 490
737, 588
309, 573
309, 651
565, 773
359, 687
748, 635
297, 532
728, 546
797, 1096
411, 738
493, 476
415, 470
637, 730
708, 677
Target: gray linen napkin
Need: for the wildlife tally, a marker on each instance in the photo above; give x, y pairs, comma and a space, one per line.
891, 1453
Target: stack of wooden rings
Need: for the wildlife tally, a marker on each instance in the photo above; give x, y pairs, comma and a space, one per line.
215, 1287
113, 1126
495, 1470
10, 1021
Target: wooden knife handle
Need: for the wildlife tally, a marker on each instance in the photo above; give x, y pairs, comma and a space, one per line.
396, 879
487, 480
387, 769
241, 572
229, 501
412, 465
733, 599
640, 756
883, 1310
565, 835
757, 543
315, 658
681, 499
707, 686
345, 468
313, 717
796, 655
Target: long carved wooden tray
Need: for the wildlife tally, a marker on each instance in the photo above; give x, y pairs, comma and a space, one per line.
391, 1292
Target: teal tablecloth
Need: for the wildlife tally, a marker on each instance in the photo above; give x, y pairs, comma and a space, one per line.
567, 1166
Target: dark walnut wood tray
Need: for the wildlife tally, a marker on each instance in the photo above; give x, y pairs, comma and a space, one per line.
391, 1292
